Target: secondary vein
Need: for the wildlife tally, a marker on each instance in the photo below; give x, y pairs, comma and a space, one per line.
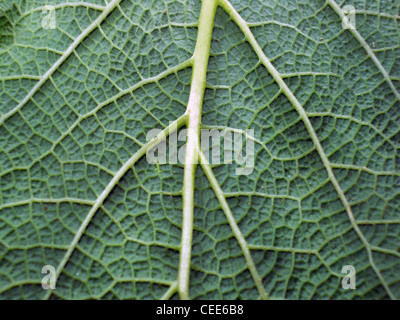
235, 229
61, 60
366, 47
100, 199
235, 16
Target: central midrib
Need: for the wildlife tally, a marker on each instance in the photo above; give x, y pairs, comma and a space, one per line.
194, 110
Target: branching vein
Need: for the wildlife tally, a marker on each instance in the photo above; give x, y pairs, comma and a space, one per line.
198, 85
235, 229
110, 7
114, 181
366, 47
302, 113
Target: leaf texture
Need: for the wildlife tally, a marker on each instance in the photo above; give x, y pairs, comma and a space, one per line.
77, 102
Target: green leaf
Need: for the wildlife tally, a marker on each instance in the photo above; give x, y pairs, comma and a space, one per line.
77, 192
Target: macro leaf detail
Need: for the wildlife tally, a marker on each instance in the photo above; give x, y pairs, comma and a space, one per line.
79, 97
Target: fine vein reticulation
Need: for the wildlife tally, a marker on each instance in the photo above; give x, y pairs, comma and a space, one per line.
191, 118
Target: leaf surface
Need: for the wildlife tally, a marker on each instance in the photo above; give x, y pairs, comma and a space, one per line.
77, 102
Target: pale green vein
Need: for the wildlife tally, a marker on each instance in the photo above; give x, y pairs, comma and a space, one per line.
366, 47
364, 169
383, 49
310, 73
376, 222
19, 45
198, 85
68, 5
226, 5
20, 77
114, 181
386, 251
235, 229
50, 200
259, 194
147, 280
36, 245
378, 14
170, 292
281, 249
